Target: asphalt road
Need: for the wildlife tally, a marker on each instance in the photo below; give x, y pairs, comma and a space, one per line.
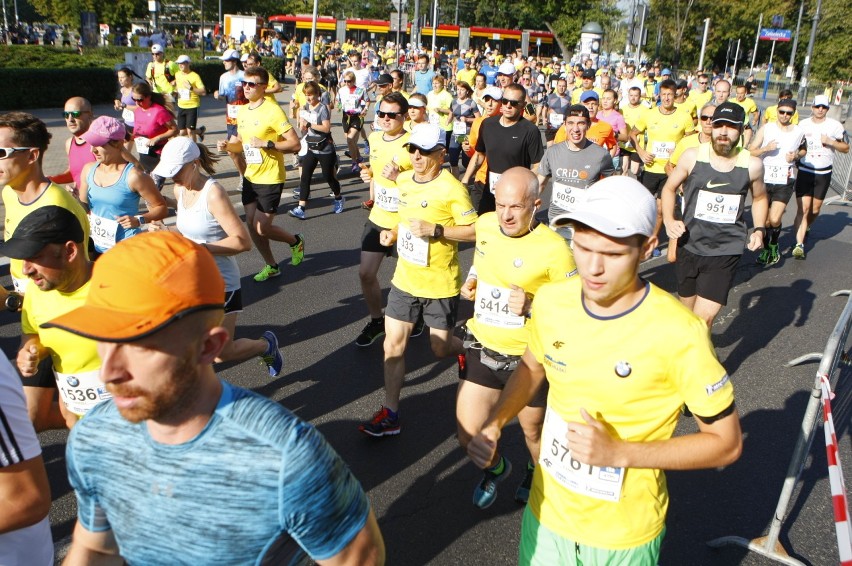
420, 482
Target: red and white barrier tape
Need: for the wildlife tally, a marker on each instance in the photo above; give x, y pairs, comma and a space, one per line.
842, 526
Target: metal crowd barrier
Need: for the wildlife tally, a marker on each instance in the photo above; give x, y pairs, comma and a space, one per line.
830, 360
841, 179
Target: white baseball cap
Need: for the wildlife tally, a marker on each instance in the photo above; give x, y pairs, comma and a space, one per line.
182, 59
821, 100
617, 206
506, 69
244, 57
426, 137
230, 54
494, 92
156, 48
176, 153
416, 103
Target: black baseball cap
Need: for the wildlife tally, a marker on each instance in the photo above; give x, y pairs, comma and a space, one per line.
384, 79
588, 74
46, 225
729, 112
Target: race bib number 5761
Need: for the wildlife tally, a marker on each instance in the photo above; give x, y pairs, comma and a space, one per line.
600, 482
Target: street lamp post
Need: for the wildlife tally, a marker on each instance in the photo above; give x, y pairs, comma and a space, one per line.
791, 72
806, 68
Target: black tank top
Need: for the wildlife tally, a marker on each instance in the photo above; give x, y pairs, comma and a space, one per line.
714, 206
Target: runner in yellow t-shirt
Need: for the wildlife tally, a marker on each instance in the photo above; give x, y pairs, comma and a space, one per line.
388, 157
189, 90
160, 73
50, 242
515, 255
665, 126
599, 491
264, 135
435, 213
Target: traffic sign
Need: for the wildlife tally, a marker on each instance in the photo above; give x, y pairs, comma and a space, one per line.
773, 34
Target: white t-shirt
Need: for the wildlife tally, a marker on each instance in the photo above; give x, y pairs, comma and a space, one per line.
362, 77
820, 156
33, 545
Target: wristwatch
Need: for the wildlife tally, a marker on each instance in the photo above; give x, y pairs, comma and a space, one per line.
141, 219
270, 144
439, 231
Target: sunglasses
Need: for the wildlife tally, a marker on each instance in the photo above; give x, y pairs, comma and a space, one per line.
702, 82
785, 113
512, 103
705, 118
391, 115
412, 149
73, 114
251, 84
6, 152
348, 81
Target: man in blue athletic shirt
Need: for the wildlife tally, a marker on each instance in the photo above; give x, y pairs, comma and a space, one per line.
182, 467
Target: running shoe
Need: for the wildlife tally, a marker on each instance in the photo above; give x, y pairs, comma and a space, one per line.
296, 194
298, 250
774, 255
367, 204
337, 205
366, 151
356, 168
522, 494
418, 327
374, 330
486, 492
462, 363
297, 212
201, 131
267, 272
656, 252
382, 424
348, 154
799, 251
272, 356
763, 258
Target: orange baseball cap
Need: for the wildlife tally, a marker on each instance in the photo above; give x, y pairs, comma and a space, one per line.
144, 284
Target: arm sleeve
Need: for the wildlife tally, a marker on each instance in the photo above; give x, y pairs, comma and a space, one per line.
464, 213
89, 512
332, 507
18, 440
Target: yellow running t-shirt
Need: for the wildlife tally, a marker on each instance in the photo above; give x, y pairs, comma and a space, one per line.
386, 192
539, 257
635, 387
429, 267
266, 122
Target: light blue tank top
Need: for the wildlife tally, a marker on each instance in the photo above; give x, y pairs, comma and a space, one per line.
199, 225
108, 202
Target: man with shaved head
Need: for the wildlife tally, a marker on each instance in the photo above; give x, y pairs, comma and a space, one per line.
78, 117
515, 255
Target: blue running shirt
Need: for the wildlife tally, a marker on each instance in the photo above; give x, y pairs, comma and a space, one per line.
256, 486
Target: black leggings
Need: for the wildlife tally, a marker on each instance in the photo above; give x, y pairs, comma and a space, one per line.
328, 163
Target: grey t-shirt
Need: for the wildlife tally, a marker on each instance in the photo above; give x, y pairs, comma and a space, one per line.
573, 172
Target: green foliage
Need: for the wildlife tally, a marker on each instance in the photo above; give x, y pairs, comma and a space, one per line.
738, 20
113, 12
97, 85
55, 57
